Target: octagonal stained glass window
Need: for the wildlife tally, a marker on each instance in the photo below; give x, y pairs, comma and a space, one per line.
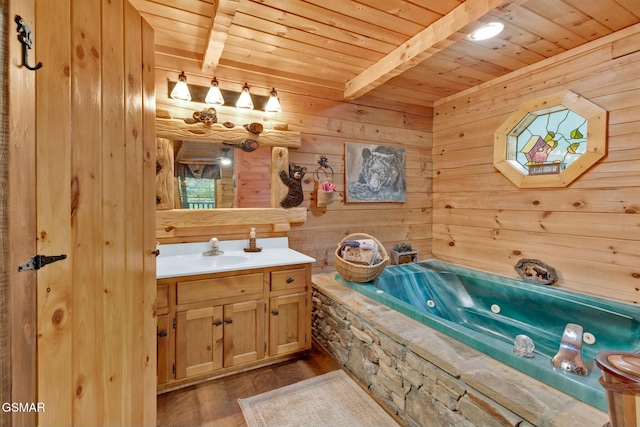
550, 141
546, 143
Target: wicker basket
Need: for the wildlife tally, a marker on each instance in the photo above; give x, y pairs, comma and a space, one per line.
359, 273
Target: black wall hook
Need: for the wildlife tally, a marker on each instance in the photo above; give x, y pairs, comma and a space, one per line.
25, 37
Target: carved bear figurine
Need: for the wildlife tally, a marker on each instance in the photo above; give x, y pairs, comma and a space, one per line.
294, 181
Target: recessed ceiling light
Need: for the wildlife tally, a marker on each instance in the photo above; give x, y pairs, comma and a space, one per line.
487, 31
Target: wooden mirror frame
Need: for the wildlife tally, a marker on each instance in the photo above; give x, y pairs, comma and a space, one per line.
176, 223
596, 117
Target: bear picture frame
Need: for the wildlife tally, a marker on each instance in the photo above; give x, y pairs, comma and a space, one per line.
374, 173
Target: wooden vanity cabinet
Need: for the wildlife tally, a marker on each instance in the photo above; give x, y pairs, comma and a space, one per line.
289, 311
226, 322
219, 322
164, 331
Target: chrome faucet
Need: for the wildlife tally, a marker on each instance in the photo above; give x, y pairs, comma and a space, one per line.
569, 357
215, 248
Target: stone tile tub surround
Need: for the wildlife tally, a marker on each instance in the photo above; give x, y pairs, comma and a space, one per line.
428, 378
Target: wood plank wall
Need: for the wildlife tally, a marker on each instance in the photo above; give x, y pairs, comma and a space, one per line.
589, 231
325, 127
96, 184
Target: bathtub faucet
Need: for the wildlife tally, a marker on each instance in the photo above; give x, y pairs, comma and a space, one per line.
215, 248
569, 357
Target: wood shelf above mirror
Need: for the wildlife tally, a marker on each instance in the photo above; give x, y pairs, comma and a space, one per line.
218, 133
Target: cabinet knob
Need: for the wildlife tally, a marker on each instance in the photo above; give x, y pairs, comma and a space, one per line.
217, 322
275, 312
290, 280
162, 334
228, 321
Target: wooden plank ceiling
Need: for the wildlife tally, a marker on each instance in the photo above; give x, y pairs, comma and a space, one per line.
400, 51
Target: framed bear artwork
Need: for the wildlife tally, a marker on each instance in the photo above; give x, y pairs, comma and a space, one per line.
374, 173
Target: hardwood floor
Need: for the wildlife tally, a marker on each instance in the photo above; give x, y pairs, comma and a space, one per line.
215, 403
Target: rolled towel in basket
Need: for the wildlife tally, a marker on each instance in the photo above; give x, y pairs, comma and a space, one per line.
368, 244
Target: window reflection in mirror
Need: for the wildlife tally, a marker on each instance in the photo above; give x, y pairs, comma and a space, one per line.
204, 175
198, 184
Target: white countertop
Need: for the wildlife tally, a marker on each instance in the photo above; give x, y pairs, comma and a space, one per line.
186, 259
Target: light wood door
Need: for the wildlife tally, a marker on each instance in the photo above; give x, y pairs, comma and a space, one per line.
95, 157
199, 339
244, 332
287, 324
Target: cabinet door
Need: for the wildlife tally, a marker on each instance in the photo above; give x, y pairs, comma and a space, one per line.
199, 339
288, 324
244, 332
163, 354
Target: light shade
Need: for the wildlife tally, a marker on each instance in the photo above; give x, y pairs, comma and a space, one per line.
181, 90
487, 31
214, 96
226, 161
245, 101
273, 104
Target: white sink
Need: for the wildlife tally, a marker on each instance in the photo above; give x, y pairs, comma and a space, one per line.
201, 261
215, 260
196, 264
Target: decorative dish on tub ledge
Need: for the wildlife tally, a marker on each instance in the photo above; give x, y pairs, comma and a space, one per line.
536, 271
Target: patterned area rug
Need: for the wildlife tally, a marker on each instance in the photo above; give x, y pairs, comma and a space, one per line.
332, 400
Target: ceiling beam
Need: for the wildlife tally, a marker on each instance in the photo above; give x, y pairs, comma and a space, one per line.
218, 31
425, 44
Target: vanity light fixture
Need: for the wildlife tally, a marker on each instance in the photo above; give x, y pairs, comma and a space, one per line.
244, 101
487, 31
214, 96
181, 90
273, 104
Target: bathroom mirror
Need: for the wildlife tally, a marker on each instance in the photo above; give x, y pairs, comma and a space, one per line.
206, 175
264, 164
